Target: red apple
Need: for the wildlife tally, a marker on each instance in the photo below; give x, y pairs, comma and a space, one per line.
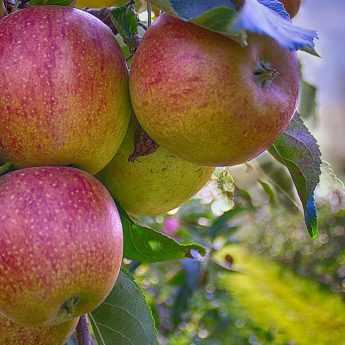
14, 334
60, 245
64, 89
292, 6
208, 100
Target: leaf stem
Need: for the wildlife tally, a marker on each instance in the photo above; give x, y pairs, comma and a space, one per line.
83, 334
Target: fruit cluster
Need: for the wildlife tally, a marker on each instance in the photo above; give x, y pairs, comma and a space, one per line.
66, 100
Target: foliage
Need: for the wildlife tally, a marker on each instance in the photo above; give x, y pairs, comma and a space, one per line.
254, 16
124, 317
186, 299
247, 302
298, 150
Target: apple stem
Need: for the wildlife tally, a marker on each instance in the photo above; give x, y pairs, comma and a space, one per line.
149, 13
83, 334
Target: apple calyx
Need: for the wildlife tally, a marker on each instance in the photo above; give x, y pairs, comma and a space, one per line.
143, 146
265, 73
67, 310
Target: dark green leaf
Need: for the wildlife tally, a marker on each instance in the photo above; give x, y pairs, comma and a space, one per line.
147, 245
192, 272
50, 2
126, 23
221, 226
307, 105
298, 150
280, 178
5, 168
262, 17
124, 318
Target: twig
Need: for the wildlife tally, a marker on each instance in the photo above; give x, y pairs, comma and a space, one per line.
104, 14
149, 13
3, 10
83, 334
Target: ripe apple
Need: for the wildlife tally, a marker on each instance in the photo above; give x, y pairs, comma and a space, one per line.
14, 334
60, 245
207, 99
140, 4
152, 184
292, 6
99, 3
64, 89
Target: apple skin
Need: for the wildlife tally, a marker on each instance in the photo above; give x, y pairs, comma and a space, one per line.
60, 242
14, 334
152, 184
64, 89
292, 6
196, 92
107, 3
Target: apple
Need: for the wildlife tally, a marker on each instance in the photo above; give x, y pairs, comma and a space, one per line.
60, 245
64, 89
152, 184
209, 100
140, 4
292, 6
14, 334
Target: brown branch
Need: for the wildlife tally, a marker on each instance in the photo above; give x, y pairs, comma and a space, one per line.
149, 13
3, 10
83, 333
104, 14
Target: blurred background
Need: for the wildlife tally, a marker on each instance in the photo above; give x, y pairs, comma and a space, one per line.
263, 280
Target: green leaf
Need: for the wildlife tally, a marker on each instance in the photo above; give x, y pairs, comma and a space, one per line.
124, 318
264, 17
192, 272
50, 2
147, 245
5, 168
244, 199
126, 23
307, 104
221, 226
298, 150
269, 190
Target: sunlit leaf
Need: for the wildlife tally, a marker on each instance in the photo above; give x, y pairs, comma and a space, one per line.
147, 245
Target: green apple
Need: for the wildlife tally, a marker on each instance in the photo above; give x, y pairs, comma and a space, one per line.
60, 244
64, 89
209, 100
152, 184
14, 334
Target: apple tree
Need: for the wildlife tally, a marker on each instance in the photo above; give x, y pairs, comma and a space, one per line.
152, 98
